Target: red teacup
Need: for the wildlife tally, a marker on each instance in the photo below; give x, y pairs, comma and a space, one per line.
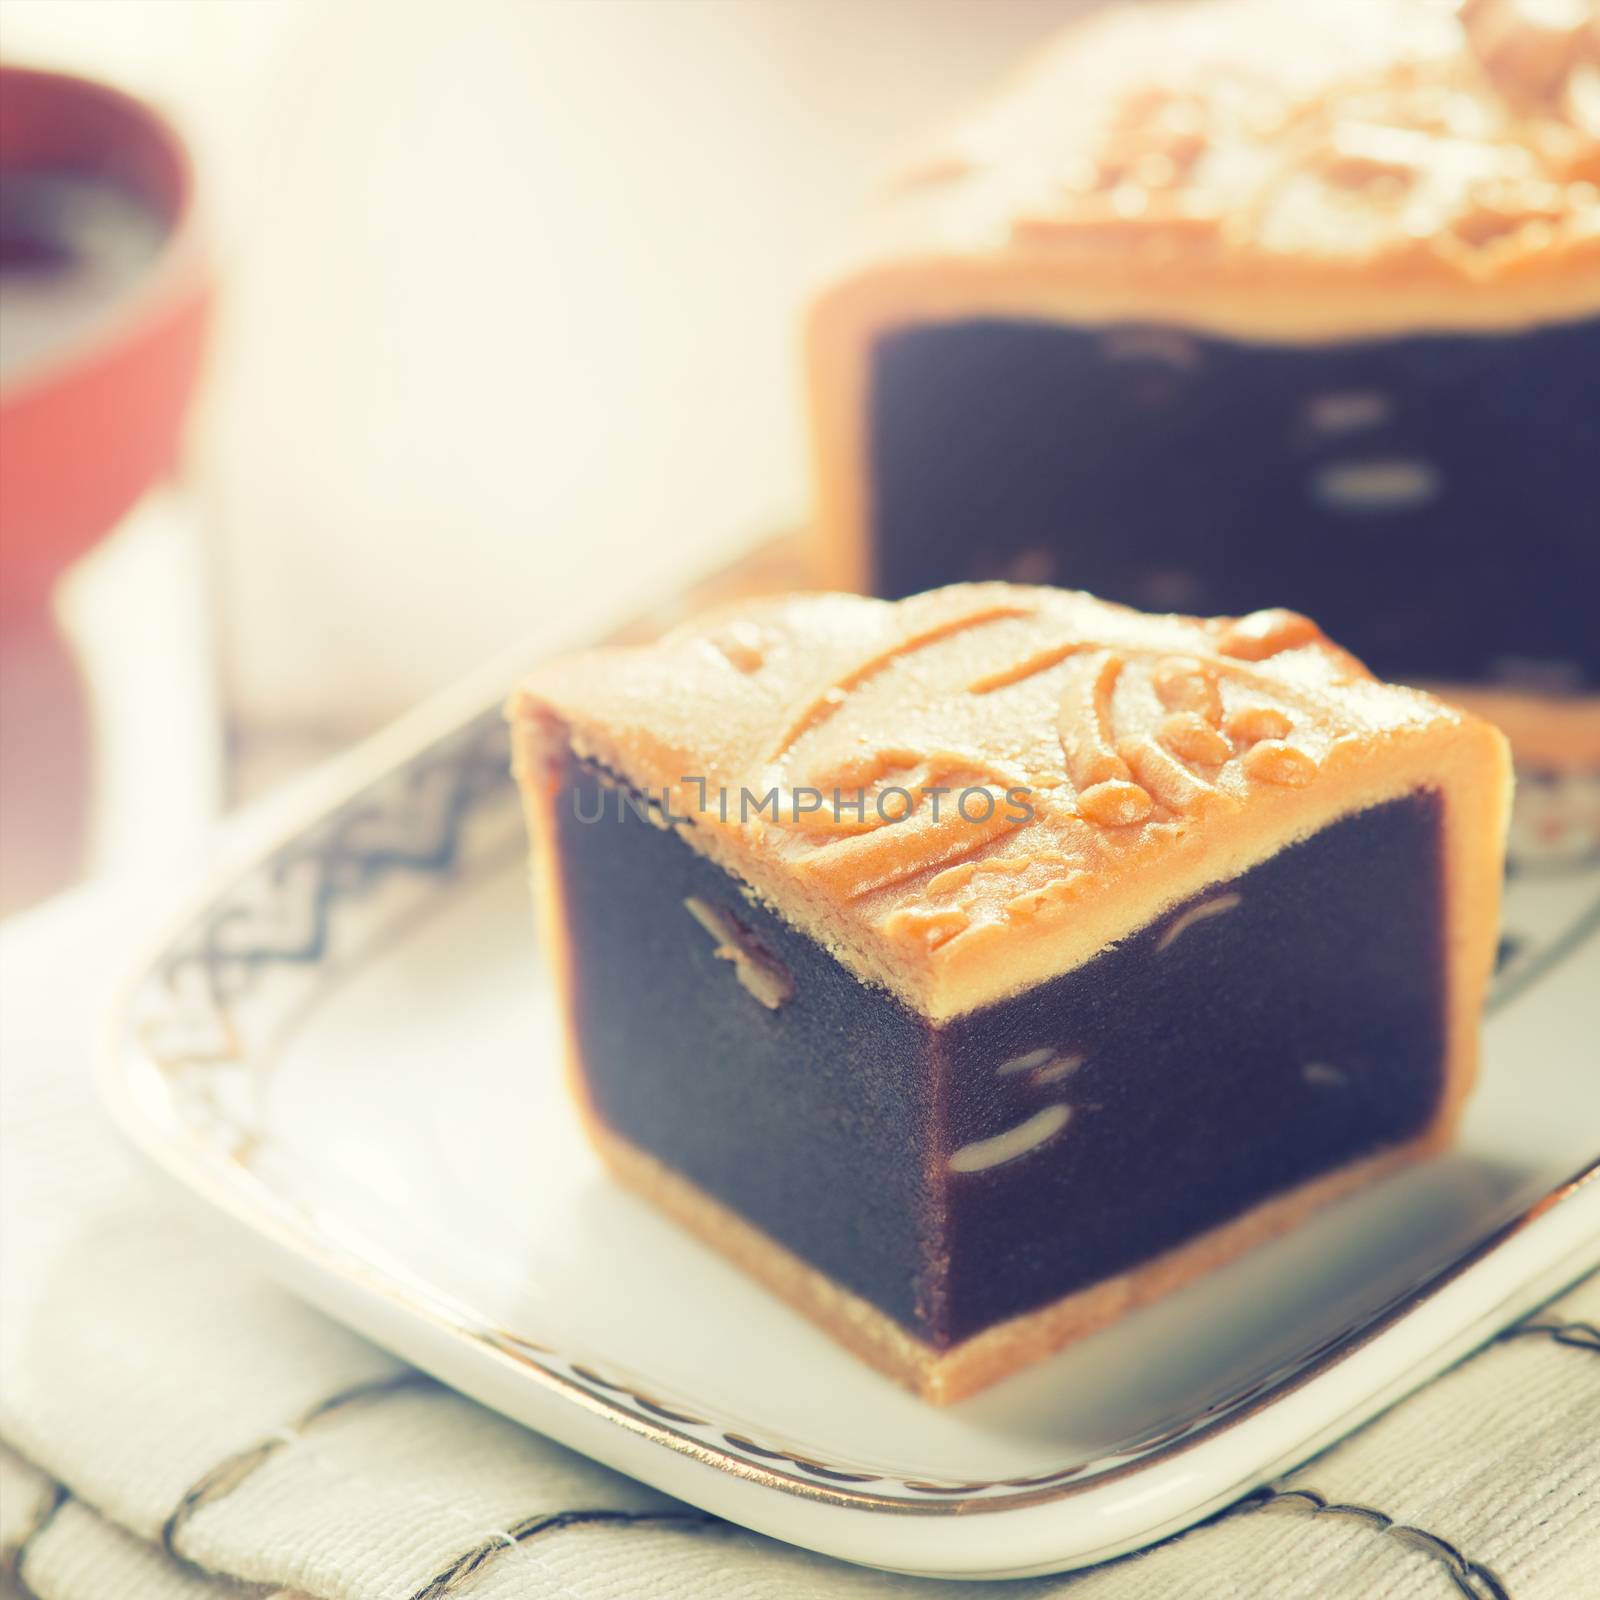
104, 292
90, 411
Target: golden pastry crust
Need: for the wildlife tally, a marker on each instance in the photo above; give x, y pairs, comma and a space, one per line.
1094, 766
945, 1376
1308, 170
1548, 733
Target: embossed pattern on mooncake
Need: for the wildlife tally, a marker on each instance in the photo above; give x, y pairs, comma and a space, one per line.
988, 762
1464, 140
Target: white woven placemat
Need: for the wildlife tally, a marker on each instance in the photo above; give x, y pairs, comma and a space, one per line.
176, 1427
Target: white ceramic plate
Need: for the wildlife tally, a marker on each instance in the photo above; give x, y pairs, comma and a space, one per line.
348, 1047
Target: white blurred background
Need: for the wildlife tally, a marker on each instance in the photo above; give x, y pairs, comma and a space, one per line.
509, 296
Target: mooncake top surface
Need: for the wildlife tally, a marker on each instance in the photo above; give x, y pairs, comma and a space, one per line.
966, 791
1355, 149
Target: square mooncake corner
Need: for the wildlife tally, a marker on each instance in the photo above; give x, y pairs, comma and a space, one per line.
974, 967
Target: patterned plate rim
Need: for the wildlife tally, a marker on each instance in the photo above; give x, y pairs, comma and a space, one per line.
458, 718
